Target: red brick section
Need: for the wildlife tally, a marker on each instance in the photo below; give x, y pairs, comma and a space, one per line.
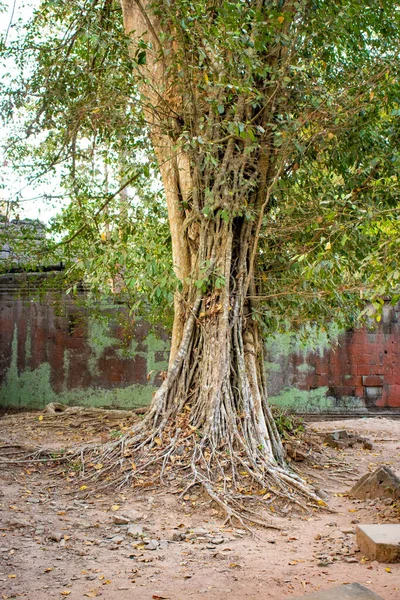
365, 364
46, 329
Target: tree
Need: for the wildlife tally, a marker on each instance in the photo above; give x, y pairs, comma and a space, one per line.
274, 127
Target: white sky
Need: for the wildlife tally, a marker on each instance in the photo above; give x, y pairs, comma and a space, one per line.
31, 205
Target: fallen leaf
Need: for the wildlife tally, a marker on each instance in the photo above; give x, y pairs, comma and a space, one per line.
158, 597
388, 570
66, 593
48, 569
40, 418
91, 593
158, 441
12, 576
115, 507
98, 466
83, 487
281, 18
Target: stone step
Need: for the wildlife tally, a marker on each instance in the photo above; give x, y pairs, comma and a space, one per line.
348, 591
379, 542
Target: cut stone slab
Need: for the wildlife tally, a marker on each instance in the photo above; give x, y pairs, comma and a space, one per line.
382, 483
348, 591
379, 542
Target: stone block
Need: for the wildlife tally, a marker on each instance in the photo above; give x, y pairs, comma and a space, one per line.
348, 591
373, 380
382, 483
379, 542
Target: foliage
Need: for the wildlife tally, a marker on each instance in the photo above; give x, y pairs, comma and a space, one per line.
321, 87
288, 424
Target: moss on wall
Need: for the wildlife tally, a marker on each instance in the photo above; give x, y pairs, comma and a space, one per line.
32, 388
314, 401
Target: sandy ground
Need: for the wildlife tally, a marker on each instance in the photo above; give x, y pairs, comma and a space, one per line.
54, 546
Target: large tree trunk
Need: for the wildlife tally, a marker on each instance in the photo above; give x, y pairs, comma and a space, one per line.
213, 402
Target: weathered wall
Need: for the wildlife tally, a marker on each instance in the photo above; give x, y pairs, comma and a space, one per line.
51, 348
360, 372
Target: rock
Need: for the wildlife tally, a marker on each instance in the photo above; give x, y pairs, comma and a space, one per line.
177, 536
33, 500
380, 542
348, 530
135, 531
132, 515
199, 531
163, 544
342, 439
120, 520
55, 407
322, 494
55, 536
217, 540
382, 483
296, 454
368, 445
117, 539
348, 591
337, 439
152, 545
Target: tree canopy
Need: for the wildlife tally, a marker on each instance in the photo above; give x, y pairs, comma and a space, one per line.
330, 232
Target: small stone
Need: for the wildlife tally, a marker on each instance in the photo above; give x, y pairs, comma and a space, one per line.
318, 536
348, 530
351, 559
55, 536
120, 520
34, 500
117, 539
163, 544
132, 515
217, 540
199, 531
152, 545
135, 531
210, 547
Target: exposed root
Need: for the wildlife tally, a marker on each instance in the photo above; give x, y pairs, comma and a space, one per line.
242, 485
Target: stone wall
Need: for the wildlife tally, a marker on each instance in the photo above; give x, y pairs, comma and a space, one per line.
52, 348
359, 372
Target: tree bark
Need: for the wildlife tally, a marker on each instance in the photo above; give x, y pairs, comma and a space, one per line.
215, 391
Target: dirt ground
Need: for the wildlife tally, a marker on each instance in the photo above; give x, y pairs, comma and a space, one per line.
53, 545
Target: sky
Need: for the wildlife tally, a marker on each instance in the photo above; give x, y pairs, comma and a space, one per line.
31, 204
